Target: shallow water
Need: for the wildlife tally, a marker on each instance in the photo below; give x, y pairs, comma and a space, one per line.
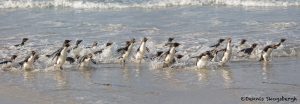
195, 27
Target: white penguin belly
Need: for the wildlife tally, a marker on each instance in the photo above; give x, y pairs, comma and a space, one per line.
202, 63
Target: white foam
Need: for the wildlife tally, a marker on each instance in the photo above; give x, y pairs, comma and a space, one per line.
146, 4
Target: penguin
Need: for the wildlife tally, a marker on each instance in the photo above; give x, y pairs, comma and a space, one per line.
141, 50
266, 52
61, 57
107, 46
76, 52
227, 54
203, 59
160, 54
94, 46
76, 49
22, 43
242, 44
248, 51
12, 58
59, 50
170, 40
280, 44
170, 55
126, 51
214, 53
85, 60
27, 64
220, 41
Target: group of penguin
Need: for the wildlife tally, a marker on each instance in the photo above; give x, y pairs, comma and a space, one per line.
168, 57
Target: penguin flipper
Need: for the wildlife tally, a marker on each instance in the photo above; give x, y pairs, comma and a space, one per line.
93, 61
56, 56
121, 50
98, 52
70, 60
148, 50
5, 62
17, 45
138, 49
54, 53
179, 56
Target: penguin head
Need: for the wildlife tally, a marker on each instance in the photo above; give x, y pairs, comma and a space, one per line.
209, 54
133, 40
229, 40
13, 57
170, 39
243, 41
95, 44
282, 40
33, 53
67, 41
175, 44
128, 43
24, 40
145, 39
254, 45
221, 40
159, 53
78, 42
109, 44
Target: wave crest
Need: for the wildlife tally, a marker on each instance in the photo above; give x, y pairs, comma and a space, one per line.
146, 4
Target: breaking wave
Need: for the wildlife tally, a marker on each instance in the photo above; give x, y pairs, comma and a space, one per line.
120, 4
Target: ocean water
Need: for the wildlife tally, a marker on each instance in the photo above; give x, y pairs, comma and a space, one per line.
196, 24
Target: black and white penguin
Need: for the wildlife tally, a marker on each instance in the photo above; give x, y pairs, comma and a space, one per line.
22, 43
203, 59
126, 51
227, 52
108, 47
61, 57
266, 52
242, 44
86, 60
170, 40
27, 64
141, 50
280, 44
12, 58
76, 49
59, 50
94, 45
248, 51
170, 55
214, 53
220, 41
